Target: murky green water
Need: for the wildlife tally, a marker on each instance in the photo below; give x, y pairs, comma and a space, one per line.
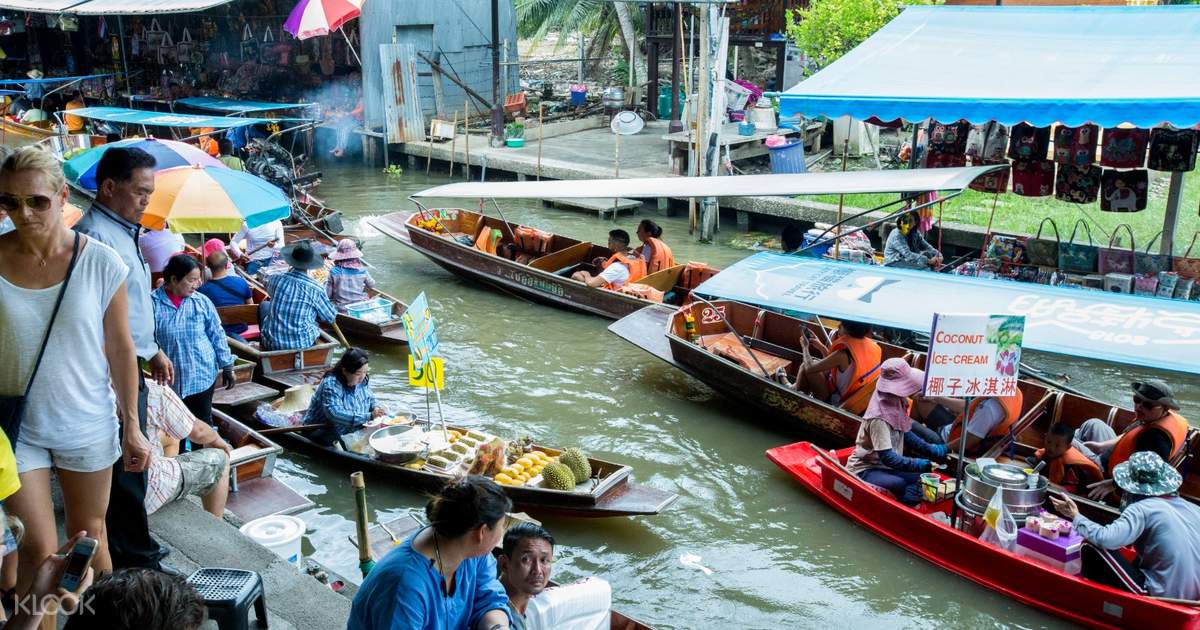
779, 558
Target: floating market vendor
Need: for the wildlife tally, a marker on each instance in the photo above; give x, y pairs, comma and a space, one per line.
622, 267
226, 289
1158, 428
444, 576
907, 248
263, 244
344, 400
1163, 528
845, 371
1068, 463
885, 433
348, 281
655, 252
288, 321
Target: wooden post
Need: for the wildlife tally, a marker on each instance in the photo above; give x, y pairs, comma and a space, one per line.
453, 142
616, 171
429, 155
541, 117
837, 242
467, 137
1171, 216
651, 60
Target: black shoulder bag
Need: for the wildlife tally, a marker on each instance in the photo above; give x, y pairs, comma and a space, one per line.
13, 407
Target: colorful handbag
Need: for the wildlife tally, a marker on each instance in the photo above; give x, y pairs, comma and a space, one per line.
1167, 281
1114, 260
1124, 148
1077, 257
949, 138
1123, 191
1044, 253
986, 143
1033, 178
1145, 284
992, 182
1145, 262
1187, 267
1077, 184
1173, 149
1027, 142
1076, 145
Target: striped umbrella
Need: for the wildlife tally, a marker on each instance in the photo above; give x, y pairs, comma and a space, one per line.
212, 199
81, 169
311, 18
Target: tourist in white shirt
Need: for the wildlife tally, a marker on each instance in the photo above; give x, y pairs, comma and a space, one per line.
158, 246
263, 244
622, 267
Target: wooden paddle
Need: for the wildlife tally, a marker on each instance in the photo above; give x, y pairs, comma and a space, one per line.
299, 428
340, 337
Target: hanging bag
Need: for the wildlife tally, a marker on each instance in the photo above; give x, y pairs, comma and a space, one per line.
1185, 266
1044, 253
1124, 191
1077, 184
1114, 260
12, 408
1148, 263
1078, 258
1124, 148
1076, 145
1173, 149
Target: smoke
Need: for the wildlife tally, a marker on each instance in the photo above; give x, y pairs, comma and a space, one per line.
337, 98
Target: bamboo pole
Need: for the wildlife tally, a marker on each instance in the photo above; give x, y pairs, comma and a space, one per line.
429, 155
541, 121
616, 172
453, 142
365, 561
467, 137
837, 242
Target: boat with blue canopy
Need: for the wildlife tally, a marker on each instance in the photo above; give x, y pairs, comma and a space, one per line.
236, 107
13, 133
142, 118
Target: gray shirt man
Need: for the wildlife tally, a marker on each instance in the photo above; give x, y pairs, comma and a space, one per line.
1165, 532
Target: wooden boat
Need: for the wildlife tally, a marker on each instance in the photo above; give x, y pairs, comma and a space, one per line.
545, 278
384, 536
14, 134
278, 368
253, 492
1077, 599
613, 495
390, 331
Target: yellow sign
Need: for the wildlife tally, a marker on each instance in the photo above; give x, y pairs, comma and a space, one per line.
425, 378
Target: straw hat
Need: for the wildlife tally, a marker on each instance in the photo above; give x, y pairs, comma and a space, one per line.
294, 399
898, 378
301, 255
1146, 473
34, 74
347, 249
627, 123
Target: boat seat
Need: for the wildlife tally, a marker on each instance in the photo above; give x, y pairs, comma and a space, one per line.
251, 333
728, 346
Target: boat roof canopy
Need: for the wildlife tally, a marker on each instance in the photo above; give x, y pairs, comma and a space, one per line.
49, 80
850, 182
1041, 65
162, 119
234, 106
1134, 330
111, 7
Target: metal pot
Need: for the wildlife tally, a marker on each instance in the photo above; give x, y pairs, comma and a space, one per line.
1022, 501
614, 98
401, 444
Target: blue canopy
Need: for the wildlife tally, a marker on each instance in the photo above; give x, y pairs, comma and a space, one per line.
1145, 331
1041, 65
161, 119
49, 80
234, 106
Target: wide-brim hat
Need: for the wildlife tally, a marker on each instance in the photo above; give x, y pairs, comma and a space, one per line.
294, 399
898, 378
301, 255
627, 123
1146, 473
347, 249
1156, 392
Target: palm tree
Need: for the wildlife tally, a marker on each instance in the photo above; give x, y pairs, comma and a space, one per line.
601, 21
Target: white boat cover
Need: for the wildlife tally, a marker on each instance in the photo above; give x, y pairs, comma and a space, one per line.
111, 7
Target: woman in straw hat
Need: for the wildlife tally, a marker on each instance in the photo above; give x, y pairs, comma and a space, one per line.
1163, 528
886, 431
348, 281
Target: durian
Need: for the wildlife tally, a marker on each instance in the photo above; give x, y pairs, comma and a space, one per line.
574, 459
558, 477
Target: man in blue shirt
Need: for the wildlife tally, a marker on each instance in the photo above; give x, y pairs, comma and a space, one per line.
125, 180
289, 320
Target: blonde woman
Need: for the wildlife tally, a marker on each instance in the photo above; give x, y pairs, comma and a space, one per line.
87, 374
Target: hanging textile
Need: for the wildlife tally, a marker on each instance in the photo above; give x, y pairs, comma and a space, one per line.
1173, 149
1123, 191
1124, 148
1027, 142
1077, 184
993, 182
1076, 145
986, 144
1034, 178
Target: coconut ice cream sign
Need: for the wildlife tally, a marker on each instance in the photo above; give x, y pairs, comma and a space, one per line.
974, 355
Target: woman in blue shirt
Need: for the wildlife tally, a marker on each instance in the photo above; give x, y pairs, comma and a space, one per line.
225, 289
188, 330
444, 576
343, 401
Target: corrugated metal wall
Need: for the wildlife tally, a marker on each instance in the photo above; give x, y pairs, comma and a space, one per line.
459, 29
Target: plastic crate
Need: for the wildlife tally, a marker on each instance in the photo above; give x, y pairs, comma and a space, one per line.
788, 158
375, 310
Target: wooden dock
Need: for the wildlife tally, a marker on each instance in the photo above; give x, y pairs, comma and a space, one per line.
599, 205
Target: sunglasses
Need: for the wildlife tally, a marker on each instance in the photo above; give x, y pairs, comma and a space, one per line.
1144, 402
37, 203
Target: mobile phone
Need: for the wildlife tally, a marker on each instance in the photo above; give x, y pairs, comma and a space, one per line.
78, 563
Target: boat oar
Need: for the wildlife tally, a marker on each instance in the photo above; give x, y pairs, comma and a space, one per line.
299, 428
340, 337
365, 561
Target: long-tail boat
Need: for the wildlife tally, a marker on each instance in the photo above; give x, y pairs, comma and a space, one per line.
543, 263
277, 368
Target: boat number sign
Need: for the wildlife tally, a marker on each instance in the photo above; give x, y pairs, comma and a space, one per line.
974, 355
422, 336
712, 315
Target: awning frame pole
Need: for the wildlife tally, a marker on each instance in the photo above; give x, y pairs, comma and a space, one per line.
124, 59
1171, 215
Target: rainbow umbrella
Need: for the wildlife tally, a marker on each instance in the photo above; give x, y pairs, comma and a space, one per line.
212, 199
311, 18
81, 169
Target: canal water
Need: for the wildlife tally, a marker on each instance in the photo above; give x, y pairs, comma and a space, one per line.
762, 552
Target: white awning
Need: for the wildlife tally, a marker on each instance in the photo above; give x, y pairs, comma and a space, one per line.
850, 182
111, 7
39, 6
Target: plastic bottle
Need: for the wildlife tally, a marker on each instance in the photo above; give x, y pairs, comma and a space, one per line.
689, 328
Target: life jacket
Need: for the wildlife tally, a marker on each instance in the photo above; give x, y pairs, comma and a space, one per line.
74, 123
643, 291
1012, 413
1083, 470
1173, 424
488, 239
532, 240
209, 146
694, 274
635, 264
866, 356
660, 256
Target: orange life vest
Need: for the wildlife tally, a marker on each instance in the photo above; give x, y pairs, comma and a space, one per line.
74, 123
635, 264
660, 256
532, 240
1173, 424
1083, 470
643, 291
1012, 413
488, 239
209, 146
694, 274
865, 357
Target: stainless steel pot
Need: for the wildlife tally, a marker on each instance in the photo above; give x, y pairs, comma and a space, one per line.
1022, 501
400, 444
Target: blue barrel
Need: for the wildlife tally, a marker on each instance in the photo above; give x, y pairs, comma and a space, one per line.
820, 250
788, 158
578, 98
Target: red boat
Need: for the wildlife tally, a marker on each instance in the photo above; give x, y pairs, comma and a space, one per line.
1077, 599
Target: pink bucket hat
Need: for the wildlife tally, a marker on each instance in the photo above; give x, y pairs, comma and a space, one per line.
212, 245
346, 250
898, 378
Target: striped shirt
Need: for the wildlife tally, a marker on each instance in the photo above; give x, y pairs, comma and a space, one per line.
165, 415
347, 285
192, 337
297, 302
344, 409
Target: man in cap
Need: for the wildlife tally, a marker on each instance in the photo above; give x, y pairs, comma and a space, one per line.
1163, 528
1158, 428
288, 321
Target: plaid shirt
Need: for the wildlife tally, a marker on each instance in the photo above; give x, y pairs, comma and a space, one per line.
297, 302
344, 409
165, 415
192, 337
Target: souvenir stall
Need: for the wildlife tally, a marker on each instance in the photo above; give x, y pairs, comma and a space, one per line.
1117, 101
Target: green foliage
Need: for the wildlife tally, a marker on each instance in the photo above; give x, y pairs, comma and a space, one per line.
514, 130
828, 29
393, 169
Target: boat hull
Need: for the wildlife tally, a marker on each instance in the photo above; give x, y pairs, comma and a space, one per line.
13, 134
1036, 585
